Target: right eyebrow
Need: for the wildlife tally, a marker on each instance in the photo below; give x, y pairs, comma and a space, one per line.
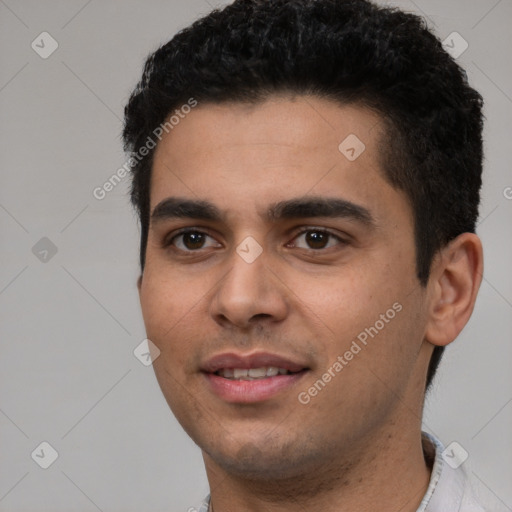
173, 208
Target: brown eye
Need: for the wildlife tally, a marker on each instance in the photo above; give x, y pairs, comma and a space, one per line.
192, 240
316, 239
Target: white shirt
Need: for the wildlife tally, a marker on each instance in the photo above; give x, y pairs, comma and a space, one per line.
449, 490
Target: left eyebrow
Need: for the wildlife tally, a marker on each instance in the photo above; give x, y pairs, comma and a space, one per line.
317, 206
301, 207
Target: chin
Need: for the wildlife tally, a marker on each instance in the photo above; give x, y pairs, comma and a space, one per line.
267, 460
257, 467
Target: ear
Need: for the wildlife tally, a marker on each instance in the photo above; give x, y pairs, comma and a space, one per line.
454, 281
139, 283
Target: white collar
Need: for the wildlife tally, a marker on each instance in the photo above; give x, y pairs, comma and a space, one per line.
447, 490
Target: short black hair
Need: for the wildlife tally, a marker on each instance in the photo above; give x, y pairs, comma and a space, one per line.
350, 51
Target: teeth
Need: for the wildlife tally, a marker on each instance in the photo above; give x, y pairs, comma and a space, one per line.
257, 372
272, 371
252, 374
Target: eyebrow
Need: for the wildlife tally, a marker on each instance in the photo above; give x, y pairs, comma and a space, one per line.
301, 207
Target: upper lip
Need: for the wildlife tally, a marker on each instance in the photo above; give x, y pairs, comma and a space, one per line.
248, 361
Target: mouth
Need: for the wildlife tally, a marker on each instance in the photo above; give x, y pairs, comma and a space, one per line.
252, 373
251, 378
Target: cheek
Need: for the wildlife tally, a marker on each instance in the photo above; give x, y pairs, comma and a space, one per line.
164, 304
368, 305
343, 301
175, 311
167, 295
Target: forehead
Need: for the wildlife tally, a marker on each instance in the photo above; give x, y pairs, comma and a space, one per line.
243, 157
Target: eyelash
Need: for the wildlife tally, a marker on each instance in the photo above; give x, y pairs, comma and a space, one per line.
169, 240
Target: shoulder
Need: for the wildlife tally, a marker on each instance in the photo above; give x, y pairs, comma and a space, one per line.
454, 486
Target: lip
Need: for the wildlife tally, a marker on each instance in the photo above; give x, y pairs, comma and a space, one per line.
248, 361
251, 391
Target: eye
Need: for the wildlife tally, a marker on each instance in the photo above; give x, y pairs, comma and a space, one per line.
191, 240
316, 239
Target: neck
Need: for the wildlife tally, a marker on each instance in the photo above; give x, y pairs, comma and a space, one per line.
389, 474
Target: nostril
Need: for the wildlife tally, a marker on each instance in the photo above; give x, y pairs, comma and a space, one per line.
261, 316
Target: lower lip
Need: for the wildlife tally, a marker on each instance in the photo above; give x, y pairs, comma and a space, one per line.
251, 391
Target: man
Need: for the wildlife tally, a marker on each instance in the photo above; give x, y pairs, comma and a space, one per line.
307, 176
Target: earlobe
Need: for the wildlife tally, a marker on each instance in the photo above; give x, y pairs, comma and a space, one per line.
455, 279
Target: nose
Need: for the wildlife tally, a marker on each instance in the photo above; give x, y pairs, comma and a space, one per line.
249, 293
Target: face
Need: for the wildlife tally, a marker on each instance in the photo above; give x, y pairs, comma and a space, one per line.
280, 285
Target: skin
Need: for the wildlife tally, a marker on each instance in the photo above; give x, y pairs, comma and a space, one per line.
356, 445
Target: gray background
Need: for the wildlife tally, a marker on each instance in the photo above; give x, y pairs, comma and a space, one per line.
71, 320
